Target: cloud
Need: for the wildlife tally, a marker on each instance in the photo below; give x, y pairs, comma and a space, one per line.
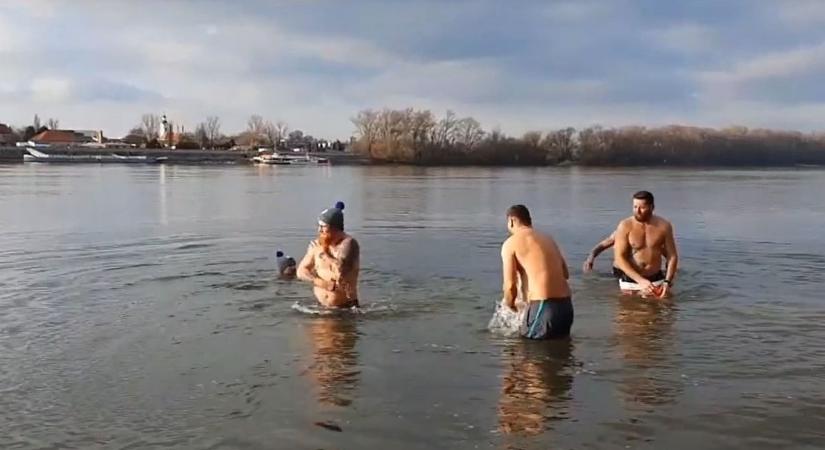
686, 38
315, 64
799, 12
53, 90
791, 76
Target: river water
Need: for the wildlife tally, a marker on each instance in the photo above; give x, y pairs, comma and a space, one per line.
138, 309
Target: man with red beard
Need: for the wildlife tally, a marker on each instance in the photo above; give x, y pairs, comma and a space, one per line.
332, 262
641, 242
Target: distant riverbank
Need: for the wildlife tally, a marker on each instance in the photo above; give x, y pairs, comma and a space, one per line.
417, 137
170, 156
632, 158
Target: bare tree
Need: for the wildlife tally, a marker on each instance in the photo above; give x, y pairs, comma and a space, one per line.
282, 130
469, 133
201, 135
150, 124
296, 136
255, 127
366, 126
560, 144
532, 138
421, 127
212, 128
53, 124
271, 133
444, 133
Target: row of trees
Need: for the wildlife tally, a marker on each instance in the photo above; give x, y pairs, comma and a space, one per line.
413, 136
37, 126
418, 137
208, 135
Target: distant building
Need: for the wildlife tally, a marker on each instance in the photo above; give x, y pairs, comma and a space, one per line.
7, 135
59, 137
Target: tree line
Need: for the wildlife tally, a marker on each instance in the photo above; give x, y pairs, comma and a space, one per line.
411, 136
37, 126
418, 137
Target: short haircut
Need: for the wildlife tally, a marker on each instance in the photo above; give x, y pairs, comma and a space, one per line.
521, 213
644, 195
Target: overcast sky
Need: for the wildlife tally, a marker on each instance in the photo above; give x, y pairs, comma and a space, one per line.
519, 65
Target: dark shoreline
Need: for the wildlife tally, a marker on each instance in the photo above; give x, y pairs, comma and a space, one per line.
166, 156
217, 157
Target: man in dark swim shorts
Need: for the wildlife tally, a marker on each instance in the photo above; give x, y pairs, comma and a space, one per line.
536, 259
548, 319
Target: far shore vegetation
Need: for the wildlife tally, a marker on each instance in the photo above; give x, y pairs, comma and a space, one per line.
418, 137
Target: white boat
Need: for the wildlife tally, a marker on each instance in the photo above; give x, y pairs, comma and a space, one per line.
33, 155
279, 159
270, 159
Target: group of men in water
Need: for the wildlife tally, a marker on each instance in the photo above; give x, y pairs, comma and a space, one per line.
530, 258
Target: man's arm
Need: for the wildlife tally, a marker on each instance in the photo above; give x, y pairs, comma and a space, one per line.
306, 269
509, 273
597, 250
350, 254
671, 253
621, 254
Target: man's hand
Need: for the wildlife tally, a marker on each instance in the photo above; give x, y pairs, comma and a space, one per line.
327, 285
510, 305
665, 290
645, 287
588, 265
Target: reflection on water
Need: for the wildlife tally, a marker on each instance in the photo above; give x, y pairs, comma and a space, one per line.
334, 367
536, 385
645, 334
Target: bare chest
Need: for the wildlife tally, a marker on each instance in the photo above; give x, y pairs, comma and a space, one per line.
643, 236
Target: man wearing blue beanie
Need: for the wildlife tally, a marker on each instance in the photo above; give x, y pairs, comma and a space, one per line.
332, 261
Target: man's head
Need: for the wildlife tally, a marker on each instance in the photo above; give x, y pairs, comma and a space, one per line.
518, 216
643, 206
330, 226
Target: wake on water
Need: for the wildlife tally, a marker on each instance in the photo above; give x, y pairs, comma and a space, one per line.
504, 322
317, 310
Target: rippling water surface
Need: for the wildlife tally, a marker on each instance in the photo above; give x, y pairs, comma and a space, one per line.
138, 310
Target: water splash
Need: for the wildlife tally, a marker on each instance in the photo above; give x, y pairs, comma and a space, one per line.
505, 321
317, 310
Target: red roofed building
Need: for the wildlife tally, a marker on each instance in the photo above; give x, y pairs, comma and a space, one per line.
59, 137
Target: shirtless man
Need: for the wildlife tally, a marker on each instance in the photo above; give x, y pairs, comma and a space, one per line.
642, 241
332, 262
603, 245
536, 259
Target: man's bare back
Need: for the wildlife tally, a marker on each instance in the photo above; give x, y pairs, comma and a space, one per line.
536, 260
539, 264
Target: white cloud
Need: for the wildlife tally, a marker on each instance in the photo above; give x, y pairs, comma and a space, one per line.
217, 58
686, 38
798, 12
52, 90
772, 65
754, 76
579, 10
